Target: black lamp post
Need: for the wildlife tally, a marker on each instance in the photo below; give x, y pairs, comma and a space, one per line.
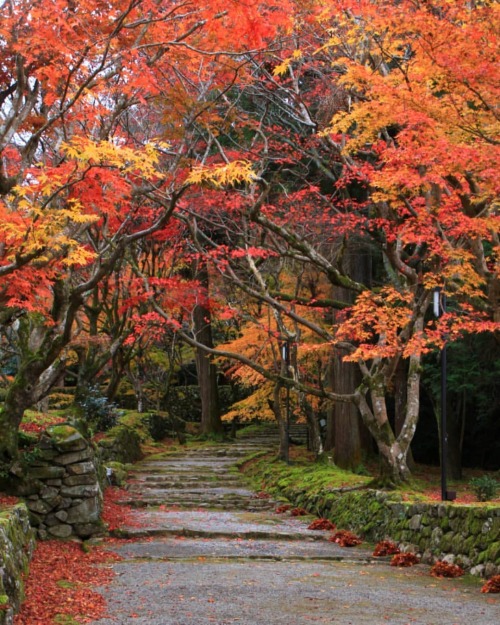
439, 301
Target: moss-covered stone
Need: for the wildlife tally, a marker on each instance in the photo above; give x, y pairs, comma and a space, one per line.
471, 534
493, 553
116, 472
16, 547
65, 437
122, 444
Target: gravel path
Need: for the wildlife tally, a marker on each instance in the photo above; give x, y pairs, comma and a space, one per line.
209, 551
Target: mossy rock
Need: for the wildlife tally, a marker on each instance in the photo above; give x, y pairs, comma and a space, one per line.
493, 553
65, 437
118, 472
122, 444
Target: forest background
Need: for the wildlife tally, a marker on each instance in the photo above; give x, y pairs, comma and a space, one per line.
273, 190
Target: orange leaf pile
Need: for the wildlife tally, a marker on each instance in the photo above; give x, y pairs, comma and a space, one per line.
345, 538
262, 495
492, 585
298, 512
385, 548
321, 524
284, 508
58, 584
115, 513
404, 559
444, 569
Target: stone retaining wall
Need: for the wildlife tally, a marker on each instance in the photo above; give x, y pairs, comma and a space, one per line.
62, 489
16, 546
467, 535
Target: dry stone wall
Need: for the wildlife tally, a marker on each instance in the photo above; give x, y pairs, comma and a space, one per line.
62, 489
466, 535
16, 547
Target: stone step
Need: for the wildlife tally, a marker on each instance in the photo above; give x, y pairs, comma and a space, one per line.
169, 548
223, 524
159, 481
224, 506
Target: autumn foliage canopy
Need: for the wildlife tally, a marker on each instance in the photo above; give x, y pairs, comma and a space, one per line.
307, 172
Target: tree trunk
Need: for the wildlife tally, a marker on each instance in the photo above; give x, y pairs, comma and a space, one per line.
352, 441
400, 401
24, 392
275, 405
315, 442
392, 456
347, 426
211, 422
393, 450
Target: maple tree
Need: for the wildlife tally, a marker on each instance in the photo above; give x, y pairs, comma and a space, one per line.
355, 137
404, 163
93, 93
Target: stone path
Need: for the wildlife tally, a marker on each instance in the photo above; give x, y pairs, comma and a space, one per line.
208, 550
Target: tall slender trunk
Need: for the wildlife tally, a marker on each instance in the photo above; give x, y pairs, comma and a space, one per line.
211, 422
281, 419
393, 450
315, 441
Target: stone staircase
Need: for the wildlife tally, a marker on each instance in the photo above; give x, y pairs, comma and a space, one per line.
204, 478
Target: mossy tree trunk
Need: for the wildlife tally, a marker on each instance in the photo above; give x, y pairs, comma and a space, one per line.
41, 363
34, 378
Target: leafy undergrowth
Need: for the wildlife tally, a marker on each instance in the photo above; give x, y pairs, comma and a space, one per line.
426, 486
37, 422
58, 584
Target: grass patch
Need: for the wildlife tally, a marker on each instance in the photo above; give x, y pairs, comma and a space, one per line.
266, 472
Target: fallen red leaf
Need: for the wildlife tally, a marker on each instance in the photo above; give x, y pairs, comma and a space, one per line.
58, 583
284, 508
321, 524
385, 548
444, 569
492, 585
345, 538
404, 559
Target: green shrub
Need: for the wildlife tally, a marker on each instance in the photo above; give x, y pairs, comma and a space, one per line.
101, 414
485, 487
